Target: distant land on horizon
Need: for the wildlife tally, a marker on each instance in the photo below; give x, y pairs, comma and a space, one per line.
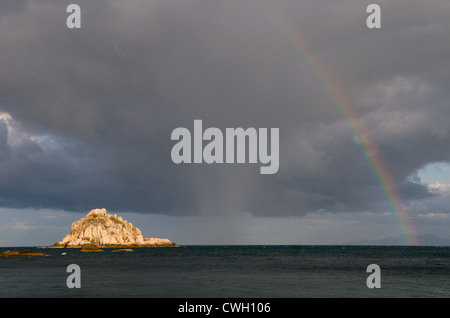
424, 240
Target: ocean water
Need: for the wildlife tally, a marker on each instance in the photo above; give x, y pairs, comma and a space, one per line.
230, 271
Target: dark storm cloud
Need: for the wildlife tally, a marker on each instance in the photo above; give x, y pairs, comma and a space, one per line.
101, 102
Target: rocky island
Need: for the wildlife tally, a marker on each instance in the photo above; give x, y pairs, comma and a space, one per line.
101, 229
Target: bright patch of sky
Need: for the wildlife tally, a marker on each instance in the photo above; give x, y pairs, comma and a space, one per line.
435, 172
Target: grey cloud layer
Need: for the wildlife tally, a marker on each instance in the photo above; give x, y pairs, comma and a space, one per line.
101, 102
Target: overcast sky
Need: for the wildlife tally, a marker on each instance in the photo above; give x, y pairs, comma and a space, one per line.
86, 117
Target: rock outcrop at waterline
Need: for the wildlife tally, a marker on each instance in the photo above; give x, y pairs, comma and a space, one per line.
20, 253
101, 229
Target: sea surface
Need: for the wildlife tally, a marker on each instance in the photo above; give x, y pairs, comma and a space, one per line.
230, 271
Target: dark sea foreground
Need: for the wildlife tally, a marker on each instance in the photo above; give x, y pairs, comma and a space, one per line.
230, 271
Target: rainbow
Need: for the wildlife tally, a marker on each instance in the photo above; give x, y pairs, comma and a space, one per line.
338, 95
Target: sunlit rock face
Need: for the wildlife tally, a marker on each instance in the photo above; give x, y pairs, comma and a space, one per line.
107, 230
